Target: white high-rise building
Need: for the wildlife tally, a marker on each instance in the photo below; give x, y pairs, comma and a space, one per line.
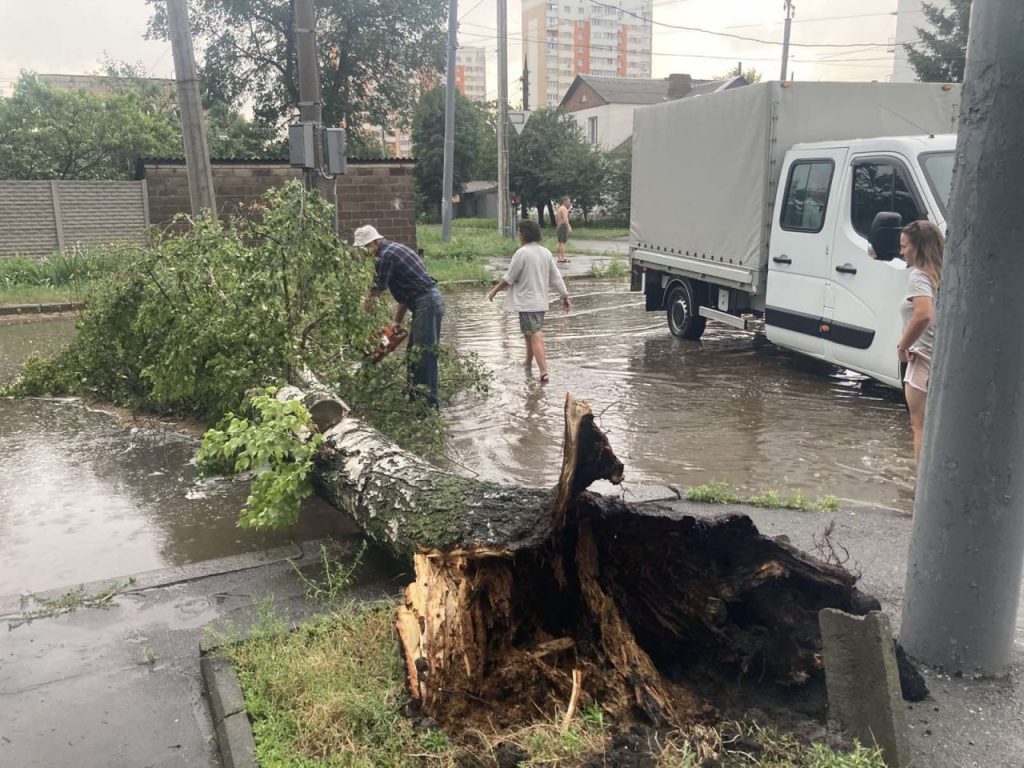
471, 72
565, 38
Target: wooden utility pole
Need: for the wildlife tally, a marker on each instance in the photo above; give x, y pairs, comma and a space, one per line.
310, 104
504, 211
448, 171
190, 107
967, 546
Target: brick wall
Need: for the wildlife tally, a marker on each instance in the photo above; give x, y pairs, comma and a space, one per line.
371, 192
40, 217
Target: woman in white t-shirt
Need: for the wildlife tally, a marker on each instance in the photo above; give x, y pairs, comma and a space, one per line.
532, 270
921, 246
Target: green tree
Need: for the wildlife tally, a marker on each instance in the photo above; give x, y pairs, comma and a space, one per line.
617, 182
532, 154
428, 144
232, 137
579, 172
371, 55
940, 53
486, 167
50, 133
752, 75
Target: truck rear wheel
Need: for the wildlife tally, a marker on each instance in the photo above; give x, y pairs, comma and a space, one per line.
681, 310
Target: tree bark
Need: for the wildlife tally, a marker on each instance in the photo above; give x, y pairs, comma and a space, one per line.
519, 590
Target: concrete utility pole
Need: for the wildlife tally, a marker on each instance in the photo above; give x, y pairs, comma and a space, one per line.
504, 213
526, 85
967, 547
310, 104
449, 123
190, 106
785, 39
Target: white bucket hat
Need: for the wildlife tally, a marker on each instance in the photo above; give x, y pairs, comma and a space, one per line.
365, 235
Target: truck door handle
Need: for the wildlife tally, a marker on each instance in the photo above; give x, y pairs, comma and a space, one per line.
783, 259
846, 269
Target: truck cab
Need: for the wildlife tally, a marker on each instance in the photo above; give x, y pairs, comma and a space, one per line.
825, 295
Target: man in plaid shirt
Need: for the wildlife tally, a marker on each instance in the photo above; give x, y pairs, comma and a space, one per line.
400, 271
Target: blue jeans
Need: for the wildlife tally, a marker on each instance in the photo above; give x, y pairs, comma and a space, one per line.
427, 311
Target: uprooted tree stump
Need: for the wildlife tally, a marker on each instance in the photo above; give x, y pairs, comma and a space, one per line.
526, 599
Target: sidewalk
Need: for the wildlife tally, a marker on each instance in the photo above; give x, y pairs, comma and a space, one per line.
121, 687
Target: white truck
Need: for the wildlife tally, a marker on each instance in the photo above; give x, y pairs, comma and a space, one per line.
755, 206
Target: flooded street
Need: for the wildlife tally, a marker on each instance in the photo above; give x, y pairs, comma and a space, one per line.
83, 497
730, 408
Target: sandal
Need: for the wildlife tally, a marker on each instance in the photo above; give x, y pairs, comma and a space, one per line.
544, 378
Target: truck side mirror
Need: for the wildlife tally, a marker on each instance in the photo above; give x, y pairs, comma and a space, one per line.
884, 235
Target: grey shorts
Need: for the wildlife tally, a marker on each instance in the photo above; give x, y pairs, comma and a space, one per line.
563, 233
531, 322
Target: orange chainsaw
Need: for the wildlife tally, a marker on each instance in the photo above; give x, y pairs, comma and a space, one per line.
387, 340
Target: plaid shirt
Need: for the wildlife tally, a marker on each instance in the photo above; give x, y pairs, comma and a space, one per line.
401, 271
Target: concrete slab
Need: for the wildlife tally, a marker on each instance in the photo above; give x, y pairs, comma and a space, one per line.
121, 687
863, 682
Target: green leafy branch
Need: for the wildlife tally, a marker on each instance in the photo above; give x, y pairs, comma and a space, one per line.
279, 444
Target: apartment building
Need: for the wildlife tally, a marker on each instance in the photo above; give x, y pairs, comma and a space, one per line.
565, 38
471, 72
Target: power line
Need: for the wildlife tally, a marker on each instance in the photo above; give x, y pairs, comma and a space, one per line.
612, 49
817, 18
735, 37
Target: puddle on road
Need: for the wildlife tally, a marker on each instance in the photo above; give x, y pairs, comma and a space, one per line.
83, 498
730, 408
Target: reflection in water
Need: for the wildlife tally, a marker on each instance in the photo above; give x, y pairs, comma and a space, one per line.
732, 407
82, 498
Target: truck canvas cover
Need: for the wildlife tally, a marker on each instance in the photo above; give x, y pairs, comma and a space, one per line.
706, 168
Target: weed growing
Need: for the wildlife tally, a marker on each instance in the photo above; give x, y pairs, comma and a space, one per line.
721, 493
34, 607
334, 576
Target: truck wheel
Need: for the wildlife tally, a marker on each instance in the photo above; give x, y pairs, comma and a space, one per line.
681, 309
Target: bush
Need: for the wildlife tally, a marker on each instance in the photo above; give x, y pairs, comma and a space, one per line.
195, 322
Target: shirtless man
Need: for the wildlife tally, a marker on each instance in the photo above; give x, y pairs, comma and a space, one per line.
564, 228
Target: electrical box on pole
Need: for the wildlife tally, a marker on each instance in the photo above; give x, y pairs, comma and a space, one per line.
334, 150
302, 145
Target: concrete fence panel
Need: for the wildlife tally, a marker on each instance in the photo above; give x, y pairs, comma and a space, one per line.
40, 217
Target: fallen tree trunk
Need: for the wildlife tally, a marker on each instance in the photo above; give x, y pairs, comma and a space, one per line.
526, 598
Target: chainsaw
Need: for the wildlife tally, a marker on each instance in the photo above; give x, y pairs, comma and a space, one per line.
387, 340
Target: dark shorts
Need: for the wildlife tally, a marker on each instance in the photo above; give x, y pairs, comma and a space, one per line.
563, 233
531, 322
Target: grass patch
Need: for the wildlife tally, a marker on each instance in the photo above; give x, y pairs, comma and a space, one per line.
466, 243
331, 695
39, 295
584, 232
59, 277
616, 267
721, 493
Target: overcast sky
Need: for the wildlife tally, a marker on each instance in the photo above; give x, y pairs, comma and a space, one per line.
71, 36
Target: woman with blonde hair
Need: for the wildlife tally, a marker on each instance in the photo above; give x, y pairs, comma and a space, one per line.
921, 246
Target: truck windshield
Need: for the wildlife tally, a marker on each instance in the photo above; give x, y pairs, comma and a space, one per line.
938, 169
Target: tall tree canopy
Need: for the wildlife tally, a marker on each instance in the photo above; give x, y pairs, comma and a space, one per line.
371, 55
428, 144
940, 53
52, 133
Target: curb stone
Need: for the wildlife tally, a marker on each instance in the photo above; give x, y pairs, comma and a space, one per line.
40, 309
235, 741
